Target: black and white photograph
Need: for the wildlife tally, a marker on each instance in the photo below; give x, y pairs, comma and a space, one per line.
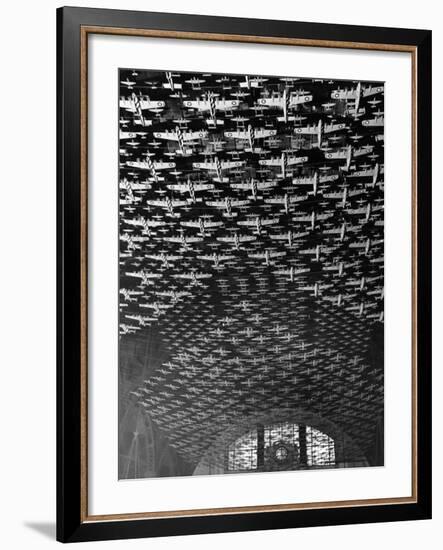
251, 273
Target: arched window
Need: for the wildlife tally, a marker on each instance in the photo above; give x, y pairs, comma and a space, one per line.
281, 446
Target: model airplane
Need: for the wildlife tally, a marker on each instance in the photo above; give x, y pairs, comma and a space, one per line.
181, 137
283, 162
227, 204
218, 166
203, 224
190, 187
212, 104
258, 223
194, 277
254, 186
250, 134
285, 101
319, 130
356, 94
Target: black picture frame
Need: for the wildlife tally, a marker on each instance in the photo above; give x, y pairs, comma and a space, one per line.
72, 523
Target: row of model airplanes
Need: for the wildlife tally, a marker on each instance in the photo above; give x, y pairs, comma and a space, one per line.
221, 201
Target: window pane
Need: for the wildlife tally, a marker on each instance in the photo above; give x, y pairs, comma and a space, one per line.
242, 454
319, 448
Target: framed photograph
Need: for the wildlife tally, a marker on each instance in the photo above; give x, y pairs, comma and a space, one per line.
244, 274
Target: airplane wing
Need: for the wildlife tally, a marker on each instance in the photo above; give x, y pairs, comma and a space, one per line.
225, 104
132, 103
159, 202
240, 134
265, 184
356, 192
337, 154
200, 104
328, 128
299, 99
240, 185
205, 165
360, 173
307, 130
204, 104
333, 195
325, 179
270, 162
126, 103
140, 186
127, 135
377, 121
232, 164
200, 134
163, 165
236, 202
306, 180
296, 160
166, 135
203, 186
138, 164
173, 239
270, 101
275, 200
263, 133
372, 90
257, 255
356, 210
148, 104
344, 94
362, 151
133, 222
187, 239
217, 204
182, 187
297, 198
269, 221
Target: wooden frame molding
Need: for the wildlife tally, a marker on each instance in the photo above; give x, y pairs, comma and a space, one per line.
89, 22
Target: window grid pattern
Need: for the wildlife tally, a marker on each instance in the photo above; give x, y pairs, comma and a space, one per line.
312, 448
